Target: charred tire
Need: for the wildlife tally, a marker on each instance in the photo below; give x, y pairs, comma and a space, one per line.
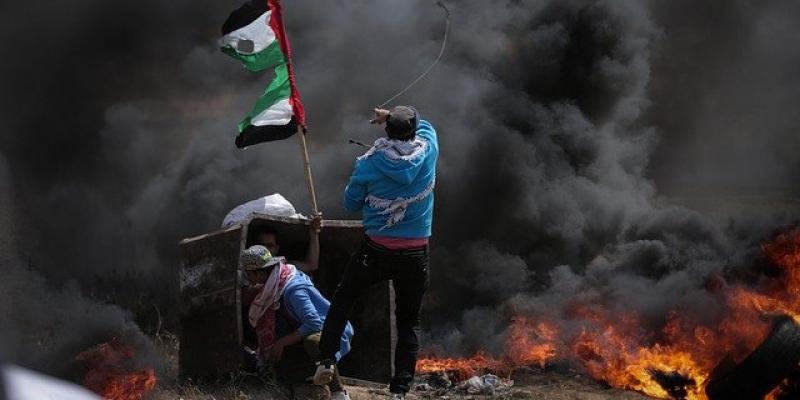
772, 361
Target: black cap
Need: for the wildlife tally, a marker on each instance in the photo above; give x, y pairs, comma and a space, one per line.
402, 123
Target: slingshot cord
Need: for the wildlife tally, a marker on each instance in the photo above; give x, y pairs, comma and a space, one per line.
436, 61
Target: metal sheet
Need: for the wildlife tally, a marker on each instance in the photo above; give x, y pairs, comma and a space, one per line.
209, 312
211, 316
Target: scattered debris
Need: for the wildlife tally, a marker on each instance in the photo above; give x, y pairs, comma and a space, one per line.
535, 383
674, 383
439, 384
423, 387
486, 384
438, 380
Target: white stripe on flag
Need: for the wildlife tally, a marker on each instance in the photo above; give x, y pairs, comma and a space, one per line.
279, 113
258, 31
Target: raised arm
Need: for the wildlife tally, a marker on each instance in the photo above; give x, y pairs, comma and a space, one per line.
312, 255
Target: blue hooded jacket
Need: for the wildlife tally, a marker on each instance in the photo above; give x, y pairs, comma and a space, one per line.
392, 184
308, 308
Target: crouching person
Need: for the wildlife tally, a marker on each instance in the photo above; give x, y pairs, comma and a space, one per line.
288, 313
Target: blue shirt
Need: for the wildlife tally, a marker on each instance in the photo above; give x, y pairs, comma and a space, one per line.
306, 306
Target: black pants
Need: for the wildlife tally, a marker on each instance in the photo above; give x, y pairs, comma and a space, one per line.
373, 263
297, 363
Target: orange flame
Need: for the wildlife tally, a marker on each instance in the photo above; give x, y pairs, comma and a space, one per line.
460, 368
531, 343
776, 393
528, 343
676, 361
109, 375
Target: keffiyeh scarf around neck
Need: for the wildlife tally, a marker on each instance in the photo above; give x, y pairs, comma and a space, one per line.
263, 310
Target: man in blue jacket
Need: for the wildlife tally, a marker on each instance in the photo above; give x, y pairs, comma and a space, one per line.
392, 185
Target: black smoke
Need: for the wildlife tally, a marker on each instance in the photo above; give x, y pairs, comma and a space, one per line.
559, 122
726, 107
45, 326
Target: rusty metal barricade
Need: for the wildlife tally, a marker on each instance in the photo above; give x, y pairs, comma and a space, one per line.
211, 337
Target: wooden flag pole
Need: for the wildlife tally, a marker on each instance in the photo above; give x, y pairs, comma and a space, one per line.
307, 168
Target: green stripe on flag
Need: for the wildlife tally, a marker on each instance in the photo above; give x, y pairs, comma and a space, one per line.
277, 90
267, 58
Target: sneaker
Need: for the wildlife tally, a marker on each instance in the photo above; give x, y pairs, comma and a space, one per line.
397, 396
341, 395
324, 373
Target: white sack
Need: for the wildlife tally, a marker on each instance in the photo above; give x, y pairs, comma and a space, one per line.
274, 204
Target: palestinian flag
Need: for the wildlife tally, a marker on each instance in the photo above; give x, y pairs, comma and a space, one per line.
254, 35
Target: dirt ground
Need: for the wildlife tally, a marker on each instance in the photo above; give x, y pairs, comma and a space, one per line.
533, 384
544, 386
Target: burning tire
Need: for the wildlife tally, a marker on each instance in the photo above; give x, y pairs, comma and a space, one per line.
770, 363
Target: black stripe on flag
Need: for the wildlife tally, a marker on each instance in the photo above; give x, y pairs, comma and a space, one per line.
244, 15
267, 133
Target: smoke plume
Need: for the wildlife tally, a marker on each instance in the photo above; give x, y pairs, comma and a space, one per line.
559, 122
